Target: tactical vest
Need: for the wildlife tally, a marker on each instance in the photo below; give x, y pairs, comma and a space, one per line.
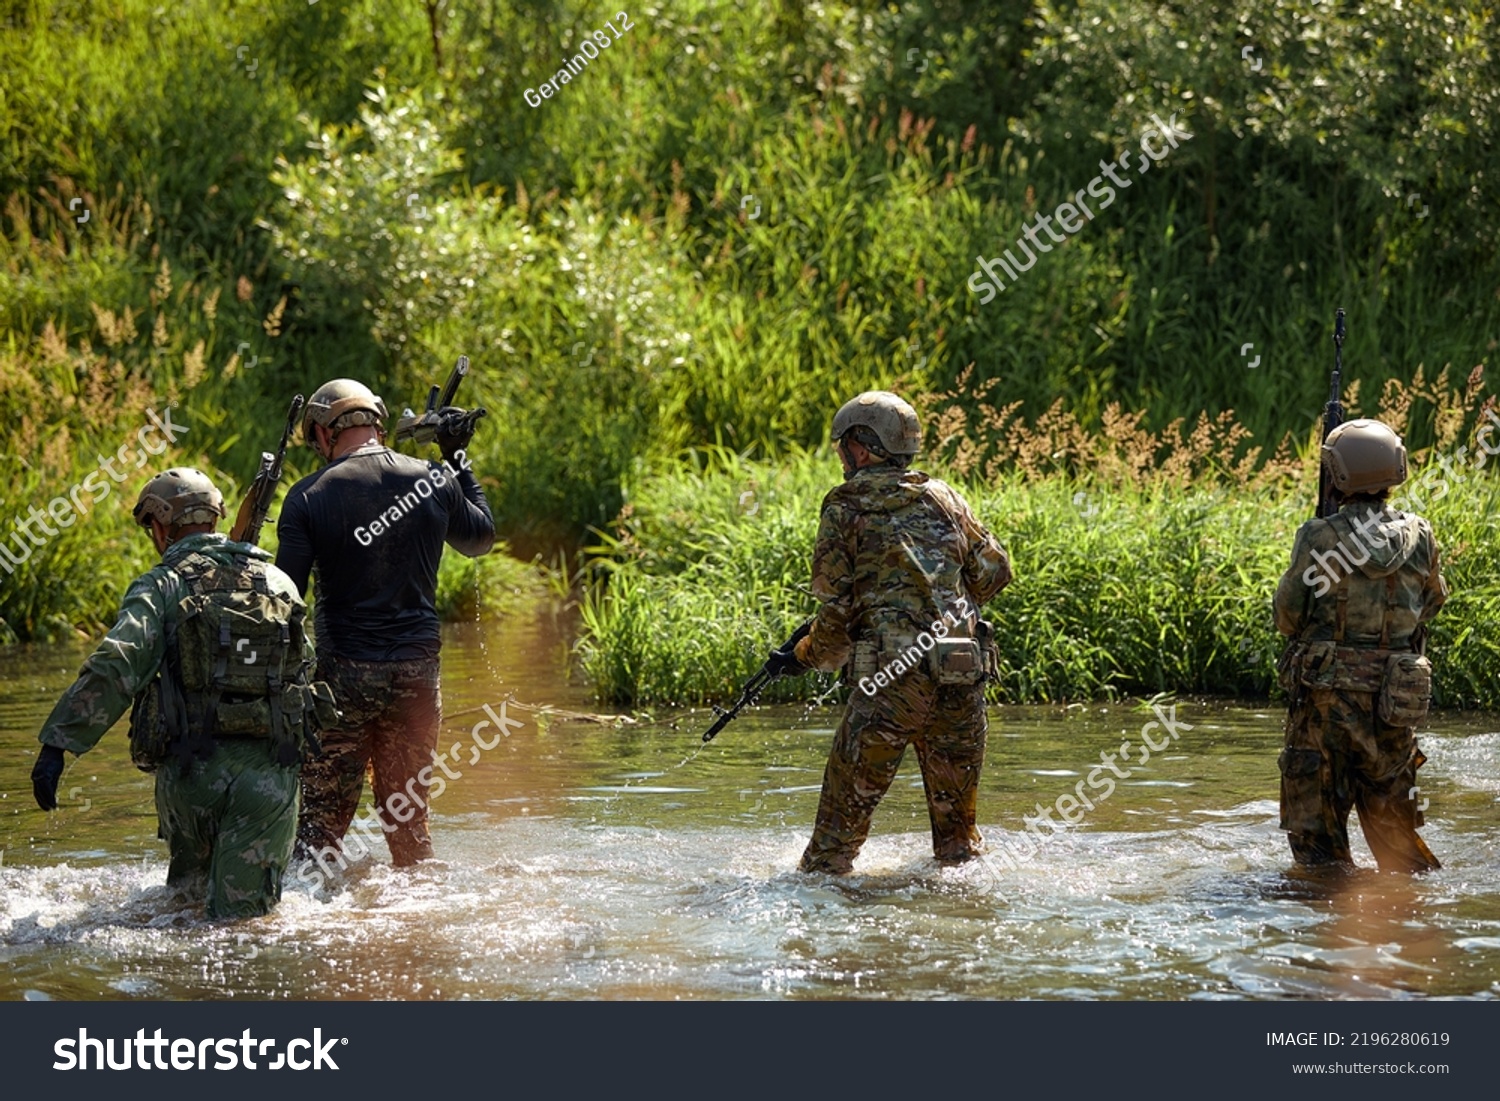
911, 605
236, 665
1389, 666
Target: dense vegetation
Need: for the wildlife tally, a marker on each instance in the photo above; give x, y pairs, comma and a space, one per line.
1152, 574
729, 221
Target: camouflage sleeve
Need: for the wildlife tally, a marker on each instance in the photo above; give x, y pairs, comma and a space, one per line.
1293, 598
113, 674
827, 645
1435, 590
986, 565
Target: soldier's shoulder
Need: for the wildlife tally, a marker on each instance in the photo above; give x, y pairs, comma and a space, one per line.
946, 493
1315, 529
842, 497
279, 581
152, 586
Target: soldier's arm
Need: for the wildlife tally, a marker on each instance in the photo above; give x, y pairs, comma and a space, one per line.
1435, 589
471, 527
827, 645
986, 565
1293, 600
113, 674
294, 551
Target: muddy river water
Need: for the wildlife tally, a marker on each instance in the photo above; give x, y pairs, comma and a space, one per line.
578, 860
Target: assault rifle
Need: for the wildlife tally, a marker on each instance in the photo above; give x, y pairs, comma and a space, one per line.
257, 503
754, 686
1333, 416
438, 415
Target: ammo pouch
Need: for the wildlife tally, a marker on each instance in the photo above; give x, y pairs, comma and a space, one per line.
864, 662
956, 660
1406, 693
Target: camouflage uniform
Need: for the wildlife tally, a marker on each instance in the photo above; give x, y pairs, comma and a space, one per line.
230, 819
1359, 585
898, 552
391, 712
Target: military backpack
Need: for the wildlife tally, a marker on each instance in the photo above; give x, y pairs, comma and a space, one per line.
237, 665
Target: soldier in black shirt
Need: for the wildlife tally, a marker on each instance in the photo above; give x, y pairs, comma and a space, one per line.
369, 529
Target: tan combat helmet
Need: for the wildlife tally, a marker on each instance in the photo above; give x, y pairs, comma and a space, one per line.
1364, 456
890, 418
179, 497
342, 403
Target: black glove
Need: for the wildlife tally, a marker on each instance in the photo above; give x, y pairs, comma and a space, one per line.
45, 774
455, 429
784, 663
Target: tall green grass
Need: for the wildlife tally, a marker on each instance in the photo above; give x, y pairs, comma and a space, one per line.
1121, 587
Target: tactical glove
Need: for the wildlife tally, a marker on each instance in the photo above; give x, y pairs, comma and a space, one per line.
45, 774
784, 663
455, 429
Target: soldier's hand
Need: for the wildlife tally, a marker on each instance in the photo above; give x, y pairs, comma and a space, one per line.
45, 774
455, 429
784, 663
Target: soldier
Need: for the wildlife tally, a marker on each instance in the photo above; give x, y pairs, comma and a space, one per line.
369, 528
901, 568
209, 644
1361, 585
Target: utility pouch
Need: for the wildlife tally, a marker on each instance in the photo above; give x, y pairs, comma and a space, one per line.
245, 719
1301, 790
149, 740
865, 660
900, 651
956, 661
1317, 665
990, 650
1406, 693
1288, 666
325, 714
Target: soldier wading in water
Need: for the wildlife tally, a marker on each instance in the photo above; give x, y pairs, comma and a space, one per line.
210, 646
901, 568
369, 528
1361, 585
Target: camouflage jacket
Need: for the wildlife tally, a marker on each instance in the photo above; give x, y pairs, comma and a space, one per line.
1362, 573
896, 550
129, 658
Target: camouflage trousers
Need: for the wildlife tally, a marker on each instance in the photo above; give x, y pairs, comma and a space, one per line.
947, 725
1339, 756
230, 824
391, 711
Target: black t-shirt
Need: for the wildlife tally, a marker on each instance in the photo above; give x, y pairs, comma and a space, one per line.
369, 528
